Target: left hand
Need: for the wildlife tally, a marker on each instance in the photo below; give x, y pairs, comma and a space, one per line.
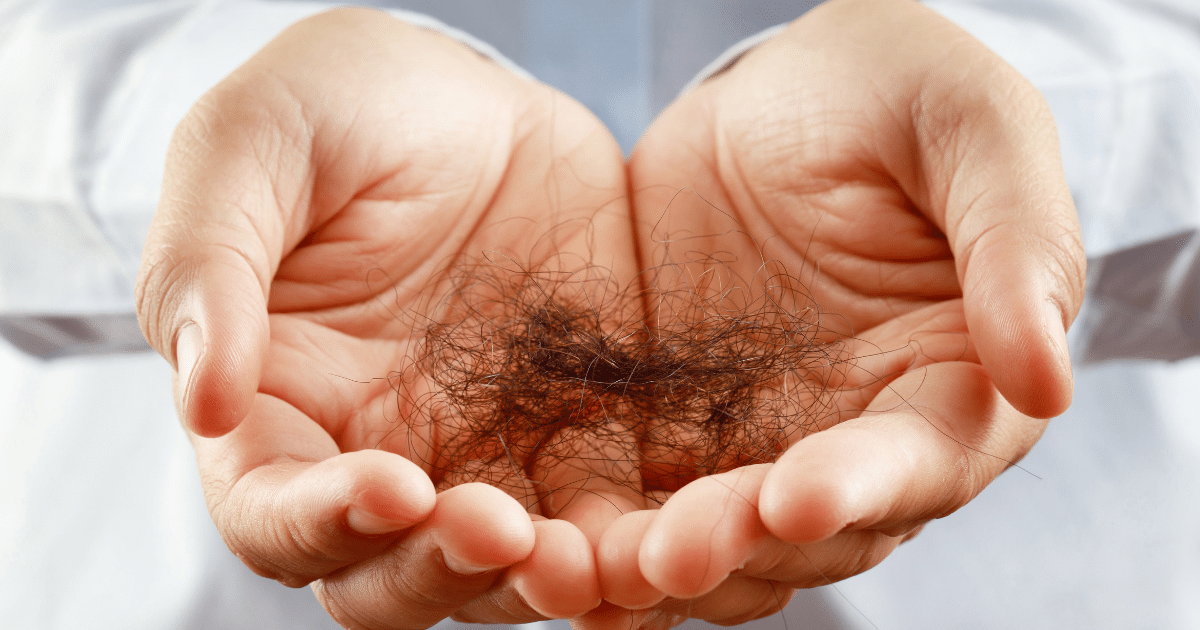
914, 177
310, 201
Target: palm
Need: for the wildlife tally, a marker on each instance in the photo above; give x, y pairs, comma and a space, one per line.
349, 306
853, 243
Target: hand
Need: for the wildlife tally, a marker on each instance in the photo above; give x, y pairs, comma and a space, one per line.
310, 200
913, 180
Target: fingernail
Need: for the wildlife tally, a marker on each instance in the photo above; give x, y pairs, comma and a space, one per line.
463, 568
367, 522
189, 348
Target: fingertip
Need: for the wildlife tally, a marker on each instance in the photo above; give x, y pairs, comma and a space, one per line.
1057, 399
1044, 396
219, 354
295, 521
479, 527
802, 516
812, 492
391, 493
1022, 344
218, 392
212, 404
621, 579
705, 531
562, 556
376, 492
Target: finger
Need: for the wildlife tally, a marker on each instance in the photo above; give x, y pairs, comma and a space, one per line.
557, 581
1019, 303
940, 436
450, 559
989, 173
203, 307
211, 251
703, 533
299, 516
738, 548
621, 578
806, 566
745, 559
1012, 225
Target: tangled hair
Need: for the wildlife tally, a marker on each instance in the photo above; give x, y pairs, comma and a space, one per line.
686, 370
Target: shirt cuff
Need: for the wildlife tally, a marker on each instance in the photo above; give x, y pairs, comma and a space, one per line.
731, 56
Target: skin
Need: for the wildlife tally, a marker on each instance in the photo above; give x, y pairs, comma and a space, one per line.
315, 193
309, 199
880, 143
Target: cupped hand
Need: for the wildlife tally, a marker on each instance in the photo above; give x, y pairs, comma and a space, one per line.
310, 203
908, 176
912, 180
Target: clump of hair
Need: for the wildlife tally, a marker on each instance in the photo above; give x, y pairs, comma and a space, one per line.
684, 371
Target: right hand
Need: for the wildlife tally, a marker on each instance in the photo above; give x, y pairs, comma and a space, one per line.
912, 181
309, 199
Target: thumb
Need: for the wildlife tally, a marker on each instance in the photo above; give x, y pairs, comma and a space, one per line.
1008, 215
988, 171
209, 257
203, 310
973, 146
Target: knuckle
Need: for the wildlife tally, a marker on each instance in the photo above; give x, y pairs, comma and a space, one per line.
860, 553
969, 481
251, 549
417, 590
770, 600
263, 566
268, 547
502, 605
